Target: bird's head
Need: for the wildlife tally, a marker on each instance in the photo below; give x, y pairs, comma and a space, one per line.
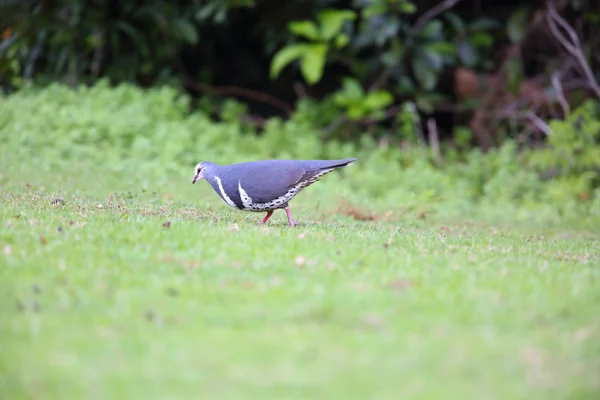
200, 171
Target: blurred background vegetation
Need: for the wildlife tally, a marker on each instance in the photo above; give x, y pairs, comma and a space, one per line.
449, 84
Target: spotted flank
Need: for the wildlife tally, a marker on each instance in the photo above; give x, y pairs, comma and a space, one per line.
281, 201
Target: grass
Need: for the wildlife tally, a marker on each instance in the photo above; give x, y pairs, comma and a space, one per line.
110, 294
403, 280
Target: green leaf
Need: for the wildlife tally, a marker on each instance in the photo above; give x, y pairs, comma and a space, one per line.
332, 21
395, 54
434, 58
432, 30
456, 22
378, 99
424, 104
483, 24
351, 88
285, 56
206, 11
407, 7
424, 72
373, 10
185, 30
517, 23
340, 100
136, 37
153, 14
341, 40
443, 48
405, 86
307, 29
313, 62
356, 112
350, 95
481, 39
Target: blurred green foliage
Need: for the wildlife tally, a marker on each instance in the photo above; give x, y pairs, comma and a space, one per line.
126, 129
359, 58
386, 43
313, 55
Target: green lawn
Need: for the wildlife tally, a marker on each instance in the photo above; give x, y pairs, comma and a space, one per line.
404, 280
101, 300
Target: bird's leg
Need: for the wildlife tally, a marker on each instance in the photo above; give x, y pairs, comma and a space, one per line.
289, 216
266, 218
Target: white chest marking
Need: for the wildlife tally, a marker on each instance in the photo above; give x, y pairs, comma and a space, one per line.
227, 199
246, 200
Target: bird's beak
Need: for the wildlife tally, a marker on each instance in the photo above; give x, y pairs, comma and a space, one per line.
195, 179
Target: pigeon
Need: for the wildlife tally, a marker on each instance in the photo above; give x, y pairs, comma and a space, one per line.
266, 185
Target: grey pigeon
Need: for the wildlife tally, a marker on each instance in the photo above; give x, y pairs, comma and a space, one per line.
264, 186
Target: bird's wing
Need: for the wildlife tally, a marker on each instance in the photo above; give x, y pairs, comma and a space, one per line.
266, 181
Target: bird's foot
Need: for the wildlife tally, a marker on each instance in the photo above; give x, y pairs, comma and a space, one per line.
266, 218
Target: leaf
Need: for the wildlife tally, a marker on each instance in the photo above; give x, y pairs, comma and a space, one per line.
483, 24
482, 39
407, 7
313, 62
378, 99
517, 23
355, 112
340, 100
350, 94
395, 54
341, 40
434, 58
332, 21
136, 37
456, 22
424, 72
443, 48
387, 31
424, 104
352, 88
373, 10
307, 29
432, 30
206, 11
405, 86
285, 56
185, 30
153, 14
466, 53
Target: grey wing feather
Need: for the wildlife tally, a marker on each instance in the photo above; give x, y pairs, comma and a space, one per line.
267, 180
315, 167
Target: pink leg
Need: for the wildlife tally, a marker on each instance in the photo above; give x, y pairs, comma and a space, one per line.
289, 215
266, 218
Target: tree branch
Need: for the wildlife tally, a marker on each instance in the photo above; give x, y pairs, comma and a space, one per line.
571, 45
231, 90
529, 116
434, 140
556, 83
537, 121
433, 12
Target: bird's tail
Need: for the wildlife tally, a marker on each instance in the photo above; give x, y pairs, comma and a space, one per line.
327, 164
